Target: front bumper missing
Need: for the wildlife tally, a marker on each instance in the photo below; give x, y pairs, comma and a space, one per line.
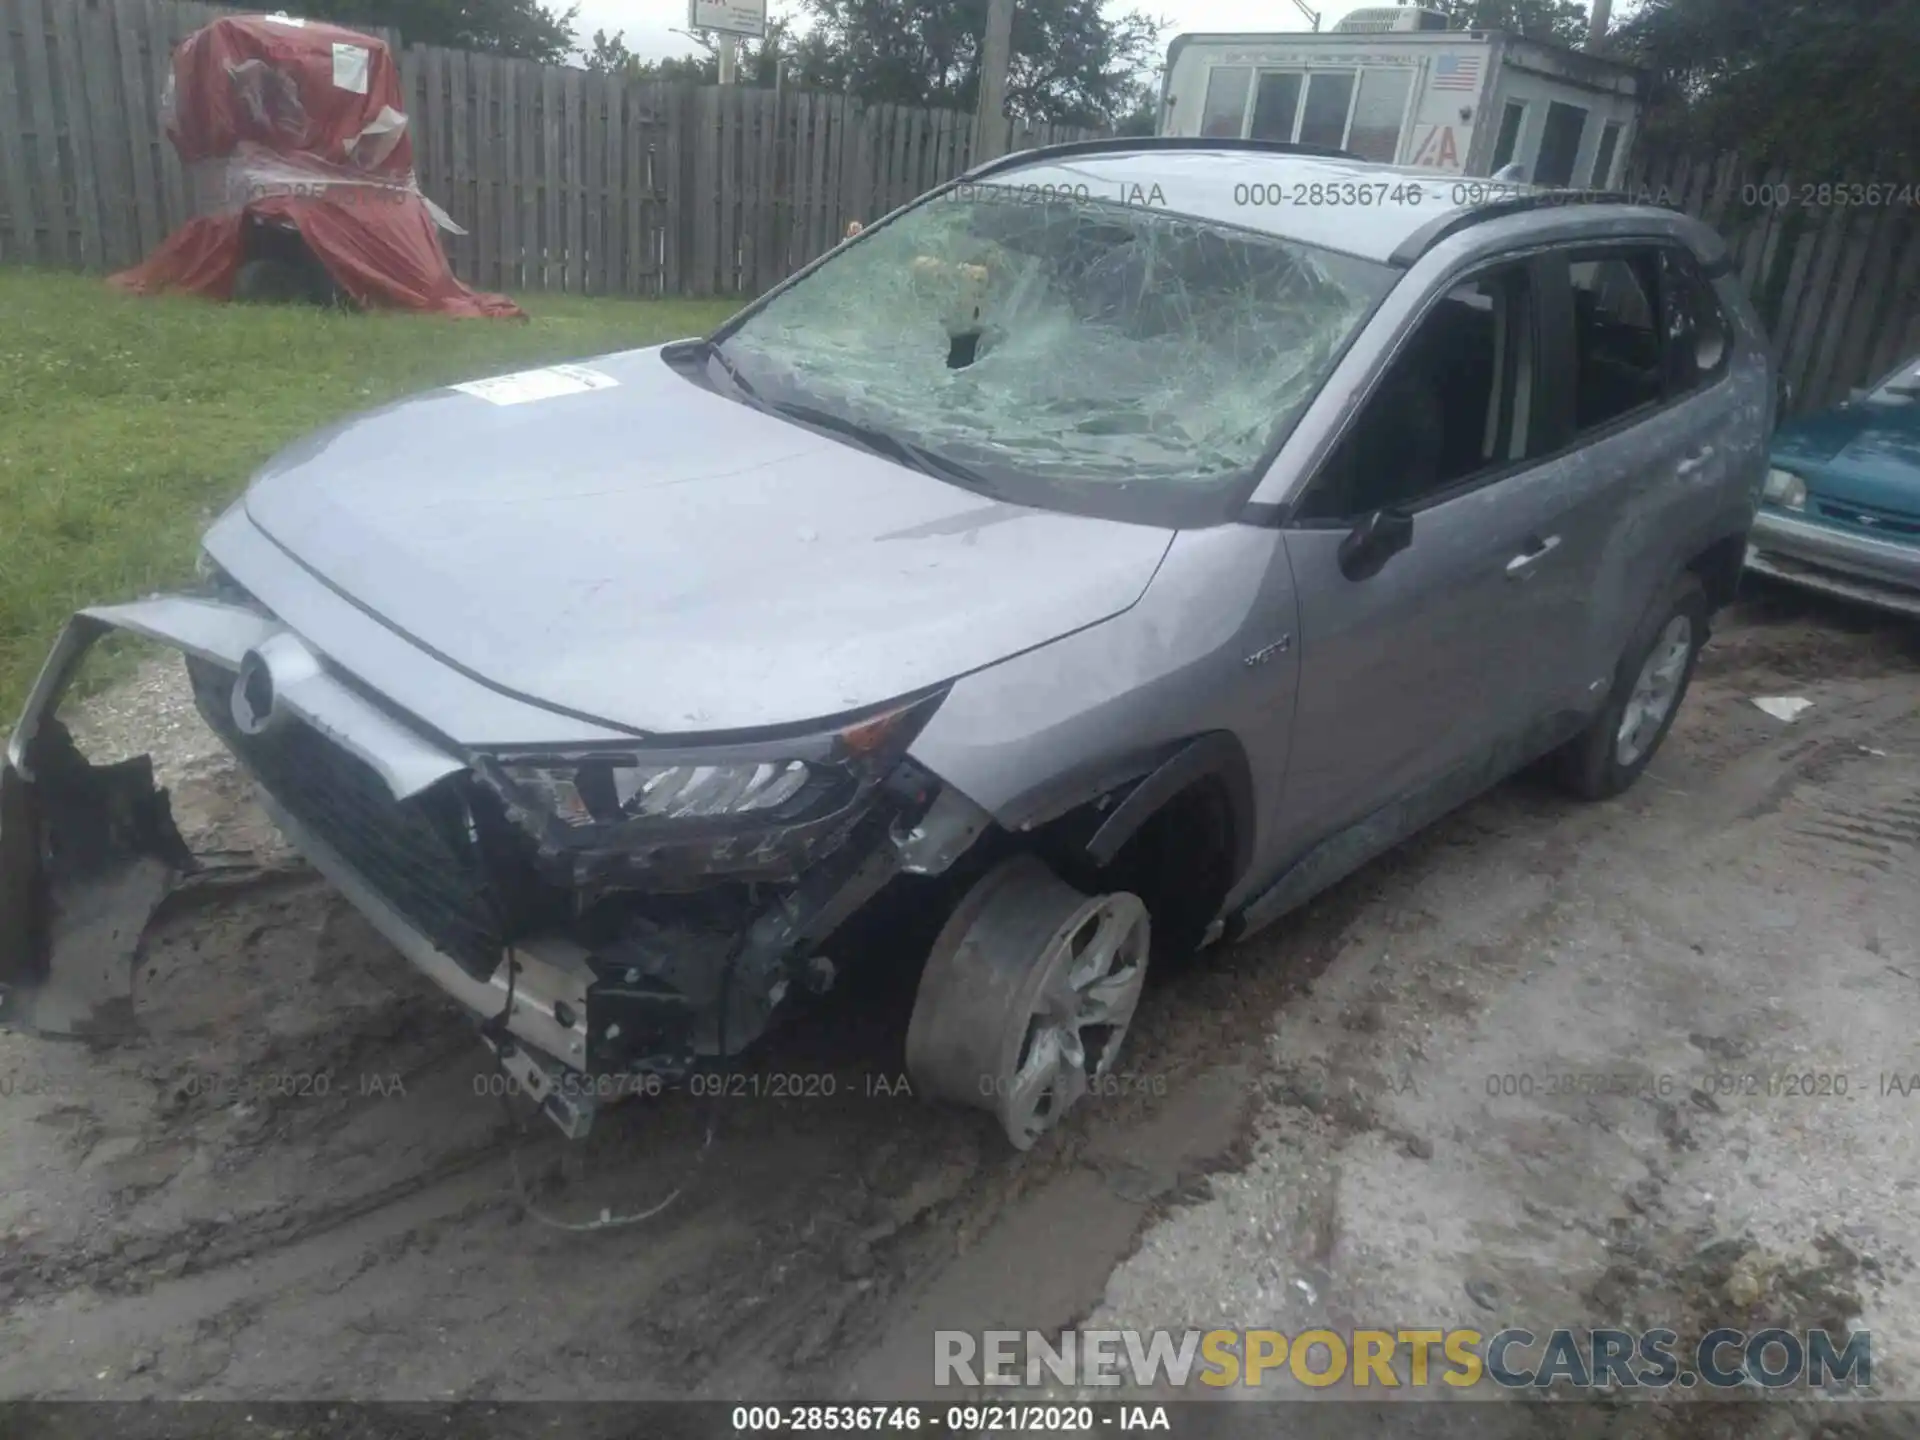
87, 854
1881, 573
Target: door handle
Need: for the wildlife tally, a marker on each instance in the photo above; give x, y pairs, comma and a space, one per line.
1521, 565
1693, 462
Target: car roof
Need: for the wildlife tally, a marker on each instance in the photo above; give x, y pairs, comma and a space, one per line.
1386, 213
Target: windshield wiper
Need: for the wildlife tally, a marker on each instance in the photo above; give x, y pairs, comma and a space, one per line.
712, 351
880, 442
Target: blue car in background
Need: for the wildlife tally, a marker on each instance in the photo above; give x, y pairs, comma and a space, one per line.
1841, 509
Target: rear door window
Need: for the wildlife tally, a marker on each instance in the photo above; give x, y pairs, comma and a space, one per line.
1618, 344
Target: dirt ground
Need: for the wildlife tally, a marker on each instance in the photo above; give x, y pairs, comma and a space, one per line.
298, 1182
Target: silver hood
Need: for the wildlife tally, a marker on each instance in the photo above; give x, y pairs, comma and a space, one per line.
644, 552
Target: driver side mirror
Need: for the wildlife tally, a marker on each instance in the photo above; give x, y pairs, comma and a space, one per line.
1374, 541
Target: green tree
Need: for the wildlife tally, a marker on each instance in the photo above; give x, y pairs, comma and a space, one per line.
1826, 87
524, 28
1073, 63
758, 60
1142, 116
1561, 21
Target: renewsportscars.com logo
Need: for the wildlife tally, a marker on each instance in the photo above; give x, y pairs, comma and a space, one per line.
1512, 1359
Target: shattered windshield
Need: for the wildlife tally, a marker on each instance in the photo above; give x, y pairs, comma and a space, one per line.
1070, 350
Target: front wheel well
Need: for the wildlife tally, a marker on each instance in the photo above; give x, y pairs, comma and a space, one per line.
1181, 860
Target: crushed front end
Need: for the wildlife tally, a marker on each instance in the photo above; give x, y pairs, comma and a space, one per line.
609, 914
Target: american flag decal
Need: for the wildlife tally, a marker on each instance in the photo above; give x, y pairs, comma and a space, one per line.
1457, 72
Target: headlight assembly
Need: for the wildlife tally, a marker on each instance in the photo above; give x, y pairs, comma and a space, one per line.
726, 786
1785, 489
606, 792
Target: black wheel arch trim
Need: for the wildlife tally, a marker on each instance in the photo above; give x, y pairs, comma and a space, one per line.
1216, 755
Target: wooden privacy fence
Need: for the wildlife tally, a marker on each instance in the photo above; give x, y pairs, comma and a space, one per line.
1833, 266
563, 179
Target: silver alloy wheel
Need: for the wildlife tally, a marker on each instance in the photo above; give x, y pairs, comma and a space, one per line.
1026, 996
1654, 691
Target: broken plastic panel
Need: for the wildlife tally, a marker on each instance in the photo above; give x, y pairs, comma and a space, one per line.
1073, 339
87, 853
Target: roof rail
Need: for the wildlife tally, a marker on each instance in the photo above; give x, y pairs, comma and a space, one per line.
1454, 221
1123, 144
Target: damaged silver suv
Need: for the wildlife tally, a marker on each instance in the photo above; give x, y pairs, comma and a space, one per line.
1100, 559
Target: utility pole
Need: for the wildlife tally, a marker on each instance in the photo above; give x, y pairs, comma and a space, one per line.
1597, 23
996, 54
729, 56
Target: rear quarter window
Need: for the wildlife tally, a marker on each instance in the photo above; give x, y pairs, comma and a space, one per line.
1698, 337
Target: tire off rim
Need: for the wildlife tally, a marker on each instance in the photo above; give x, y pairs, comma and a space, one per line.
1026, 996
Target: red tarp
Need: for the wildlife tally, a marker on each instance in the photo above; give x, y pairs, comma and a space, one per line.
302, 123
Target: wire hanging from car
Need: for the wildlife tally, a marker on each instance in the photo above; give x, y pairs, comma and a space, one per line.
607, 1220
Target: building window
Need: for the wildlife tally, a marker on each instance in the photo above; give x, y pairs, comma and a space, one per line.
1559, 144
1323, 120
1377, 114
1509, 139
1305, 108
1275, 104
1603, 161
1225, 111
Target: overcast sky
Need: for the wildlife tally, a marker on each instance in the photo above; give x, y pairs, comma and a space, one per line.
650, 25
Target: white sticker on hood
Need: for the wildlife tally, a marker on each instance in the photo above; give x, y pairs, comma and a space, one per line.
542, 384
350, 68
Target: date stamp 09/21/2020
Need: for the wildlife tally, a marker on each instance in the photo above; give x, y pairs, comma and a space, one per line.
1707, 1086
1544, 1082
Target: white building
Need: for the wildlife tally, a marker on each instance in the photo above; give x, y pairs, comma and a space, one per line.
1393, 84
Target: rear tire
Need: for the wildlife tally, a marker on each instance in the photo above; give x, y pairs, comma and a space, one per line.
1649, 686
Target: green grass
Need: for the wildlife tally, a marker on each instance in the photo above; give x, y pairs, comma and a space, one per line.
127, 424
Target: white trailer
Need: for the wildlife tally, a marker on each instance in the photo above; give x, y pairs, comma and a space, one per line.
1391, 85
